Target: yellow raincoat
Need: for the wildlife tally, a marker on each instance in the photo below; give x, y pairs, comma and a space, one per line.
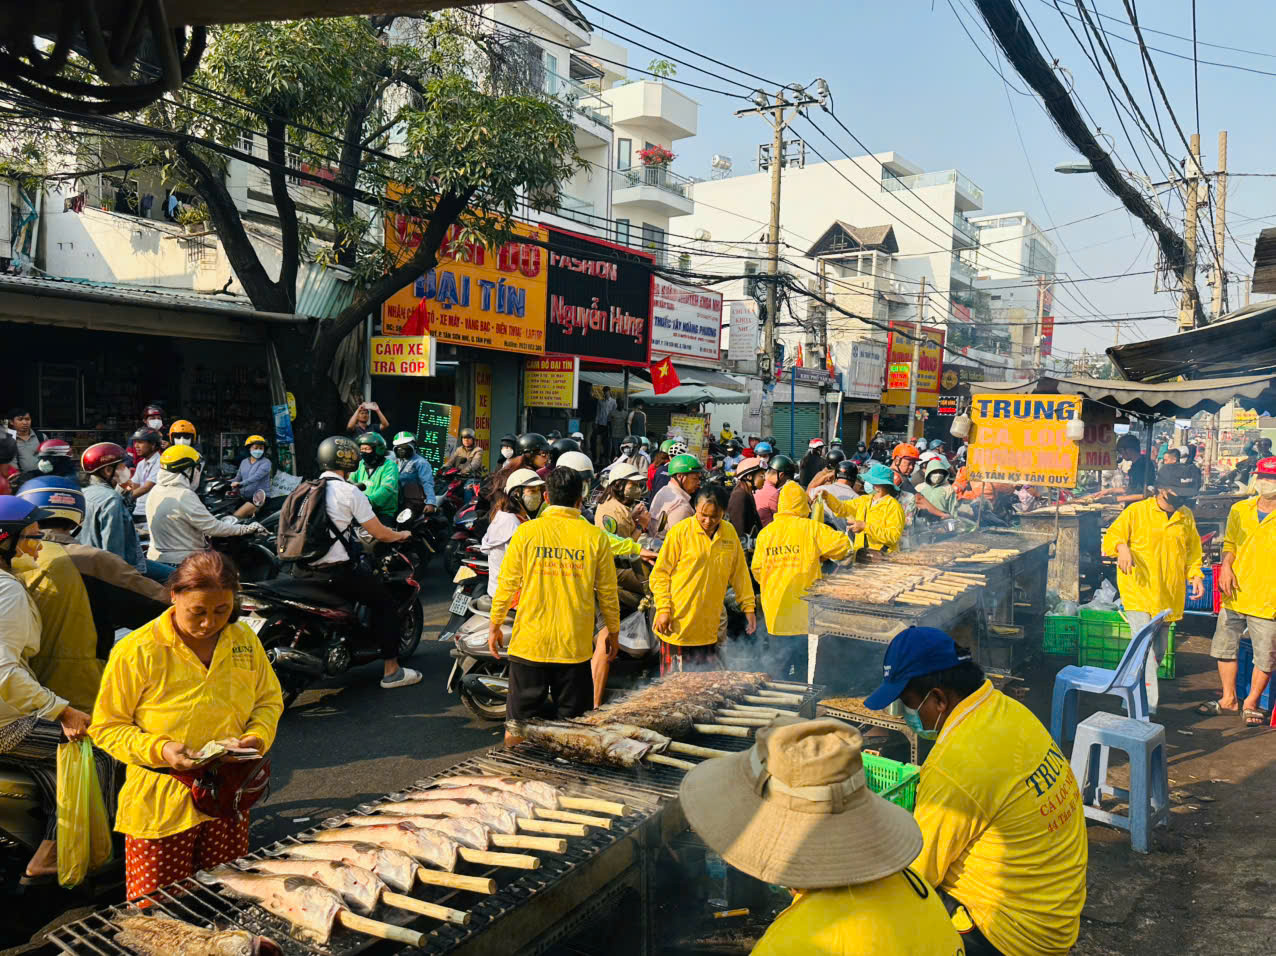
690, 580
1167, 553
67, 661
883, 519
786, 560
1254, 545
559, 563
155, 690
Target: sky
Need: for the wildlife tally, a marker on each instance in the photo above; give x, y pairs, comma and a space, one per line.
905, 77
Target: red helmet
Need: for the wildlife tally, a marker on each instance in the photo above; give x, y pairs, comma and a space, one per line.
1266, 468
102, 455
53, 448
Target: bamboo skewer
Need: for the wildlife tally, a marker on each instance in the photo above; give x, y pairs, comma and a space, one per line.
516, 861
550, 826
670, 761
456, 881
776, 695
598, 806
786, 684
372, 927
422, 908
721, 730
565, 816
746, 710
691, 750
771, 702
517, 841
743, 721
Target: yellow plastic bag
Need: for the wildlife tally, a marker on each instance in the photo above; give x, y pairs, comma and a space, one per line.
84, 832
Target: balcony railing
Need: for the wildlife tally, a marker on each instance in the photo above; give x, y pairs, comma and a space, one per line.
966, 228
939, 178
662, 177
963, 271
581, 210
579, 97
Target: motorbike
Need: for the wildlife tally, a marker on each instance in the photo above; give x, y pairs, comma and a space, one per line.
310, 633
254, 555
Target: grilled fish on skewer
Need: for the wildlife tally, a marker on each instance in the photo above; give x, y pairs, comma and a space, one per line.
428, 846
309, 906
587, 744
484, 795
359, 887
541, 794
497, 817
466, 832
394, 867
162, 936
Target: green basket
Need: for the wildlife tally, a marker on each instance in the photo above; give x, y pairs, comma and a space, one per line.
895, 781
1060, 636
1105, 636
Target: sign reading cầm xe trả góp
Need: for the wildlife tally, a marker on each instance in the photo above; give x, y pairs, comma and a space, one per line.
1021, 439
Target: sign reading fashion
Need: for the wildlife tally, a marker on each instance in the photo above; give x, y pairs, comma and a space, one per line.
599, 300
685, 320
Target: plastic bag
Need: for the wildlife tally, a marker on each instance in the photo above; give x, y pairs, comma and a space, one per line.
84, 832
635, 638
1105, 598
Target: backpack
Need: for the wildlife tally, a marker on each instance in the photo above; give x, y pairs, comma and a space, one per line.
305, 530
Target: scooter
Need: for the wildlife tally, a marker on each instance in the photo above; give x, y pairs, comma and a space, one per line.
310, 633
254, 555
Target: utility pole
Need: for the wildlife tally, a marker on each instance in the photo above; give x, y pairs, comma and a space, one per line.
779, 112
1041, 318
1220, 224
1189, 303
917, 356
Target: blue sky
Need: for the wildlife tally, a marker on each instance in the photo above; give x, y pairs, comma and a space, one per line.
906, 78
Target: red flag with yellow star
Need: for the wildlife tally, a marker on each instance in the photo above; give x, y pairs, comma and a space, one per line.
663, 376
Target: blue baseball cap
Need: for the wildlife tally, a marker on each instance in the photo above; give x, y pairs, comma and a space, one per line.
915, 652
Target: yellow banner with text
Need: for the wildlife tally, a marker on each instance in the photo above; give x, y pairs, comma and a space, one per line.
1022, 439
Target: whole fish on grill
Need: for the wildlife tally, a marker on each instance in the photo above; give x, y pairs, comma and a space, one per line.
358, 886
428, 846
586, 744
540, 793
307, 904
499, 818
162, 936
521, 806
395, 868
464, 830
668, 723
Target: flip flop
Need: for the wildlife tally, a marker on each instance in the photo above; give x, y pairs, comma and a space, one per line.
1215, 708
1254, 718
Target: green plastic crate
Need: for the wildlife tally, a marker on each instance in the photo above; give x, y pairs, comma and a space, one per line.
1060, 636
895, 781
1104, 637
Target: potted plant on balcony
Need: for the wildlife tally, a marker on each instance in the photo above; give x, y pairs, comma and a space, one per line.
193, 219
655, 156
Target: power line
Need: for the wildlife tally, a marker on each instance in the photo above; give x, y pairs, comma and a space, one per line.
1196, 72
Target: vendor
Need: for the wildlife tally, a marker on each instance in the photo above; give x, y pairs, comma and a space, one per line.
876, 518
1158, 549
1004, 837
1140, 476
794, 810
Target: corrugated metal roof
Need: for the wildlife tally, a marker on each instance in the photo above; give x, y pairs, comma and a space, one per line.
1265, 261
322, 292
85, 289
1241, 343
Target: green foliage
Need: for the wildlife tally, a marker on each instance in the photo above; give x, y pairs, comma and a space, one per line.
662, 68
193, 215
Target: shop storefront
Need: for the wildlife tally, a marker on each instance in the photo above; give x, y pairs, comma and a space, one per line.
900, 370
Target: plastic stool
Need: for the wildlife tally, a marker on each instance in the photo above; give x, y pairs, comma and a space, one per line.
1149, 793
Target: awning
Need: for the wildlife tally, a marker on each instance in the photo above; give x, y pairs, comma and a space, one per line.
693, 375
1241, 343
614, 381
694, 394
1166, 399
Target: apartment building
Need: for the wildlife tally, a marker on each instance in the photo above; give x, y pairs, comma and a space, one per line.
1016, 264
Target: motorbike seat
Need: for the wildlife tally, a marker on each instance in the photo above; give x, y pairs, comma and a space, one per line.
15, 785
298, 589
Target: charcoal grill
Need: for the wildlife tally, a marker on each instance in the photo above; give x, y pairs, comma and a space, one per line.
532, 910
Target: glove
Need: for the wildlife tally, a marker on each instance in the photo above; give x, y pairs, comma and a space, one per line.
258, 528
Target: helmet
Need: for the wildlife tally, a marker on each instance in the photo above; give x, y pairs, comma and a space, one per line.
105, 454
846, 470
905, 450
578, 437
511, 440
255, 440
181, 459
59, 497
726, 426
15, 514
562, 446
748, 466
523, 478
836, 442
555, 435
153, 411
684, 465
337, 453
782, 464
373, 439
404, 438
860, 446
631, 440
624, 472
733, 446
577, 461
532, 443
467, 433
763, 448
815, 443
1265, 468
667, 446
53, 448
182, 427
834, 457
936, 444
770, 440
677, 446
149, 435
644, 441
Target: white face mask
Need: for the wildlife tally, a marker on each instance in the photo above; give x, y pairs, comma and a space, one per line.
1266, 487
154, 423
181, 441
257, 452
507, 452
122, 474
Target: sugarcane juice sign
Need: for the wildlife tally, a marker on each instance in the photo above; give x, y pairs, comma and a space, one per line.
483, 298
410, 355
1021, 439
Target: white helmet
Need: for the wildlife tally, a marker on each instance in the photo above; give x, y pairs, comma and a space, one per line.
523, 478
679, 447
815, 443
624, 472
577, 461
579, 436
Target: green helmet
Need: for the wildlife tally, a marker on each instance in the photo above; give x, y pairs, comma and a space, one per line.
684, 465
667, 445
783, 465
404, 438
373, 439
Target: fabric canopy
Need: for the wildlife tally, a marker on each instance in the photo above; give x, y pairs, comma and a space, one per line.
693, 394
691, 374
1167, 399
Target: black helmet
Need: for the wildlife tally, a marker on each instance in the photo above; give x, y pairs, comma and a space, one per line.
511, 440
846, 469
531, 443
149, 435
630, 440
733, 446
834, 456
337, 453
782, 464
561, 446
555, 435
467, 433
770, 440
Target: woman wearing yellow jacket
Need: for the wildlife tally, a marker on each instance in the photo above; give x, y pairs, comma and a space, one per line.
877, 518
191, 677
701, 556
786, 561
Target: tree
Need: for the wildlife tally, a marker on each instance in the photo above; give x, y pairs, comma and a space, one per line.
438, 104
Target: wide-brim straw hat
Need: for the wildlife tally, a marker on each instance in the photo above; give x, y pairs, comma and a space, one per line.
795, 809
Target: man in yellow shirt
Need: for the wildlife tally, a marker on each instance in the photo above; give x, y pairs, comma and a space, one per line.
1003, 830
1249, 597
795, 810
786, 561
701, 556
557, 565
1158, 550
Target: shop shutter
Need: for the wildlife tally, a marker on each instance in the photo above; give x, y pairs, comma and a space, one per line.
658, 422
805, 421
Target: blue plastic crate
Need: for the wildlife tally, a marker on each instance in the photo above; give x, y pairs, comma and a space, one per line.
1207, 602
1245, 670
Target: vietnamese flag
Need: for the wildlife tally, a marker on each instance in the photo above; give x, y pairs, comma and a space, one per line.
663, 376
418, 323
798, 363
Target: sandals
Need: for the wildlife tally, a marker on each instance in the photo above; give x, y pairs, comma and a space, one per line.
1215, 708
1255, 718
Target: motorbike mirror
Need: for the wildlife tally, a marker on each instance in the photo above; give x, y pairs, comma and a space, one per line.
259, 498
404, 516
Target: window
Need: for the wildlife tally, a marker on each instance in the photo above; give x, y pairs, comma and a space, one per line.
551, 74
624, 153
653, 241
246, 142
622, 230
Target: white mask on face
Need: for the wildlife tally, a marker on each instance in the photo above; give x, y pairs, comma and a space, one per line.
507, 452
154, 423
122, 474
181, 441
1266, 487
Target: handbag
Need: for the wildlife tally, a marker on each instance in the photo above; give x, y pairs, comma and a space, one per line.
228, 788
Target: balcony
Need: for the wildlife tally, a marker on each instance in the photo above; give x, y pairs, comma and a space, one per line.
969, 196
965, 233
655, 188
592, 113
661, 111
579, 210
962, 272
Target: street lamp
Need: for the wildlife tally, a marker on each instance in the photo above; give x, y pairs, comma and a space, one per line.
1071, 168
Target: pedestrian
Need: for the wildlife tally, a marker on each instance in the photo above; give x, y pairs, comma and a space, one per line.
937, 491
8, 470
742, 509
621, 512
533, 452
701, 556
522, 499
602, 425
876, 518
1158, 549
780, 469
636, 422
368, 417
108, 524
26, 438
812, 462
558, 566
1140, 473
193, 676
658, 475
845, 486
146, 465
